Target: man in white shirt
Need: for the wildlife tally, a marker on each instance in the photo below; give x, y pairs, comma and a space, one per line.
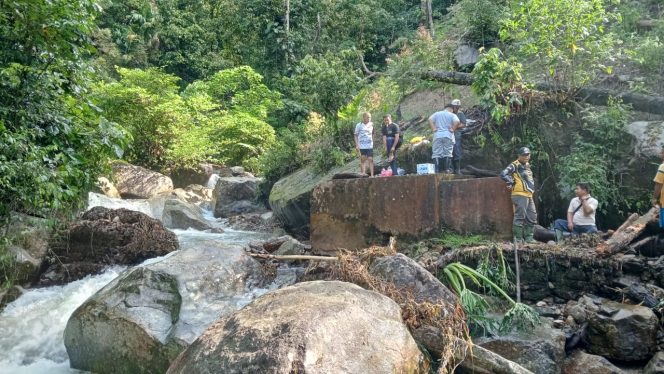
364, 143
580, 214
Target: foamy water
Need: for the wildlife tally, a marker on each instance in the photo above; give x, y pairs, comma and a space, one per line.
32, 327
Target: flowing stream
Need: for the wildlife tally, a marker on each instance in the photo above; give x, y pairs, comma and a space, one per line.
32, 327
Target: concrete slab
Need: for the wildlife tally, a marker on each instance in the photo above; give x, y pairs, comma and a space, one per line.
356, 213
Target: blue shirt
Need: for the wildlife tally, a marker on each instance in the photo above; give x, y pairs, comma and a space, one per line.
443, 121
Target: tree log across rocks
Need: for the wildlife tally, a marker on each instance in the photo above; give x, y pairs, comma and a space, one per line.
591, 95
626, 234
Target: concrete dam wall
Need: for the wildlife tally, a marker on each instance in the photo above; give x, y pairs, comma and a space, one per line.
356, 213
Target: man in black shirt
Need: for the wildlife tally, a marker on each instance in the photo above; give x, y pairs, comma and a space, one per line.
391, 134
458, 147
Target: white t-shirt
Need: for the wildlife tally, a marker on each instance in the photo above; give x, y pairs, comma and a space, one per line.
364, 134
580, 219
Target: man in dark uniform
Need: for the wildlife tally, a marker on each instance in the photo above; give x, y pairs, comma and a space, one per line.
458, 147
520, 182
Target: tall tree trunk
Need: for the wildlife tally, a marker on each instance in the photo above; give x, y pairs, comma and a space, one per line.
287, 27
427, 18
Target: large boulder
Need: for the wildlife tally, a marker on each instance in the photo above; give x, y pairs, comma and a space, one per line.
581, 362
28, 237
178, 214
138, 182
196, 194
411, 278
236, 195
290, 197
143, 319
620, 331
106, 237
541, 350
466, 56
648, 136
311, 327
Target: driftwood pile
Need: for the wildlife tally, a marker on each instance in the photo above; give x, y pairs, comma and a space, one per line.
633, 236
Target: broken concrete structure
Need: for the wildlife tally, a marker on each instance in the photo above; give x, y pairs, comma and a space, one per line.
356, 213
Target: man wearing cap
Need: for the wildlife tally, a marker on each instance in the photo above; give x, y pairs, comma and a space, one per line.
458, 148
443, 124
520, 182
658, 195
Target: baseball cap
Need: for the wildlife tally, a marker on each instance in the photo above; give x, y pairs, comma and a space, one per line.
456, 102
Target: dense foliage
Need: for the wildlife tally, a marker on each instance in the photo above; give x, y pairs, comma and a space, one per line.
52, 140
220, 119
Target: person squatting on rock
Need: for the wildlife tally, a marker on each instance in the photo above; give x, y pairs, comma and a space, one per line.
658, 195
364, 143
580, 214
443, 124
520, 182
458, 146
391, 135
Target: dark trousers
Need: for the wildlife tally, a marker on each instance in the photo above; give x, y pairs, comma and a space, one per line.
561, 224
458, 147
393, 164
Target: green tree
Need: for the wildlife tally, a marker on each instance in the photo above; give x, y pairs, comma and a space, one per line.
52, 141
325, 84
564, 41
147, 104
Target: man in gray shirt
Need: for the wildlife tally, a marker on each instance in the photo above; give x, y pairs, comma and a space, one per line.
443, 124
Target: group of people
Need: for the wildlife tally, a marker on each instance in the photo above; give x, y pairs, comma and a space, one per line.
519, 179
447, 147
364, 142
446, 126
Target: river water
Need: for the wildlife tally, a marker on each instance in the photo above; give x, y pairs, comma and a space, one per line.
32, 327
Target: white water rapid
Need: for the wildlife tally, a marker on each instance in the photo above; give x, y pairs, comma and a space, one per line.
32, 327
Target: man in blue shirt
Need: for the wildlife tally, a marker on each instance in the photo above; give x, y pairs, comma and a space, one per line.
443, 124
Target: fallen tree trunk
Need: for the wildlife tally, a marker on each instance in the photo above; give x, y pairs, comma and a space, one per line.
595, 96
292, 257
482, 360
627, 222
624, 236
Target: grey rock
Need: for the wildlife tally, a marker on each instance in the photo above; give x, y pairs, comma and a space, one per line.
311, 327
655, 365
179, 214
581, 362
290, 247
466, 55
621, 331
649, 136
138, 182
406, 273
143, 319
541, 350
410, 277
236, 195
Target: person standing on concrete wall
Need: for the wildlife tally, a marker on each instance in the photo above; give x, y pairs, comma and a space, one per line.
457, 151
364, 143
391, 135
520, 182
658, 195
443, 124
